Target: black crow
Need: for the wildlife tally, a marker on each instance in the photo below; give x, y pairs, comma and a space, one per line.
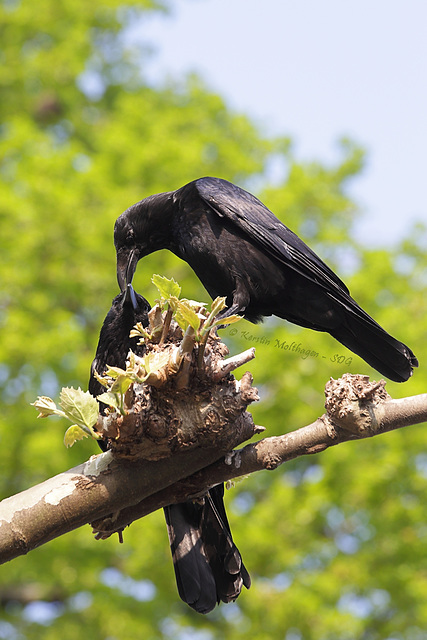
240, 250
114, 343
208, 565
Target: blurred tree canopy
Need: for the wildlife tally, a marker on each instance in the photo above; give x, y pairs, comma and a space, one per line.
336, 544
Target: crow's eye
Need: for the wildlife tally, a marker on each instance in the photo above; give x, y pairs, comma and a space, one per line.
130, 236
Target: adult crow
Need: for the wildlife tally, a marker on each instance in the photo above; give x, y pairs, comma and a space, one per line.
208, 566
240, 250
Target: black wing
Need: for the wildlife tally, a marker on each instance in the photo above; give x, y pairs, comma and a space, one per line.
261, 225
252, 217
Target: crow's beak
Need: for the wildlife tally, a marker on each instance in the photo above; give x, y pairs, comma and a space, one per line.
126, 265
130, 296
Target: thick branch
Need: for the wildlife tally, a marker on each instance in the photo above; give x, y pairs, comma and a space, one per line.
101, 486
358, 409
167, 432
104, 485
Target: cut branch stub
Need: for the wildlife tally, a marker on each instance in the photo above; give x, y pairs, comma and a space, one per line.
351, 402
204, 408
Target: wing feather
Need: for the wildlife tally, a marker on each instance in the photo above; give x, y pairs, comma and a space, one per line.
252, 217
261, 225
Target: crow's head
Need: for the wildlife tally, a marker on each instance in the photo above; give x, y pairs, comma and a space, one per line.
139, 231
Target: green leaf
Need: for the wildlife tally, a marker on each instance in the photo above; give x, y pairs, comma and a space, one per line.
194, 304
167, 287
139, 331
132, 362
185, 316
110, 399
100, 379
173, 302
217, 305
121, 384
79, 406
115, 372
46, 406
227, 320
73, 434
155, 361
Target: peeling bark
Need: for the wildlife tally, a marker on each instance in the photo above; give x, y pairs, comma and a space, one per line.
205, 408
356, 409
178, 440
169, 432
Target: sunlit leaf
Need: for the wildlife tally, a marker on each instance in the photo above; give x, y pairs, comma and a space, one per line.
155, 361
79, 406
115, 372
217, 305
73, 434
46, 406
121, 384
131, 362
227, 320
101, 379
167, 287
110, 399
194, 304
139, 331
185, 316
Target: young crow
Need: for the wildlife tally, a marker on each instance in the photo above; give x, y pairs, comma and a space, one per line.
208, 566
240, 250
114, 343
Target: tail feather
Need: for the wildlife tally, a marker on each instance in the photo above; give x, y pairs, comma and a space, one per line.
195, 581
224, 557
332, 309
367, 339
208, 566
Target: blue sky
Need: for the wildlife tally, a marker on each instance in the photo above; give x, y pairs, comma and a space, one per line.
317, 70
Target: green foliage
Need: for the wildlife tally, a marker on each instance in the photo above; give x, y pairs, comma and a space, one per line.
73, 434
189, 314
167, 287
335, 543
78, 406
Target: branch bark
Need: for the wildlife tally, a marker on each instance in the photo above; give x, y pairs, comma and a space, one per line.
104, 485
356, 409
101, 486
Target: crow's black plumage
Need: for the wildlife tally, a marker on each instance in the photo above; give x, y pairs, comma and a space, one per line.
240, 250
208, 566
114, 343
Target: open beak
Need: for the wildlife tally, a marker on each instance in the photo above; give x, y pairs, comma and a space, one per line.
130, 296
126, 265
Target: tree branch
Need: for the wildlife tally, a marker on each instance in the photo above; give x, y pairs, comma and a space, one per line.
172, 437
166, 433
101, 486
356, 409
